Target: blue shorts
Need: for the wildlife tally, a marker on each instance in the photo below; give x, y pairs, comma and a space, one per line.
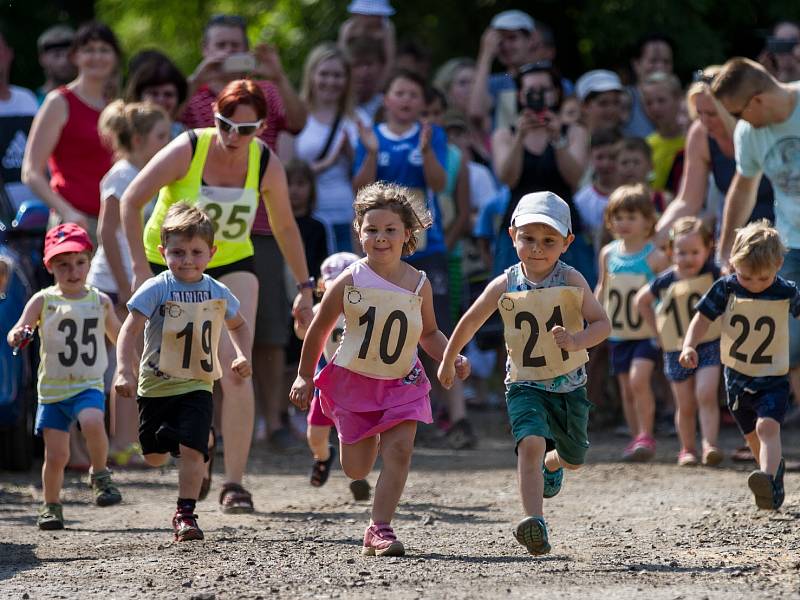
624, 352
707, 356
61, 415
791, 271
748, 407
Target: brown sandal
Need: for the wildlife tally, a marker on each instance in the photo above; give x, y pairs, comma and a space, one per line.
205, 487
234, 499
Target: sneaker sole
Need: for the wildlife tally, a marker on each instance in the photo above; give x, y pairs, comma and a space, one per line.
531, 534
51, 525
237, 510
394, 549
108, 501
641, 454
360, 489
761, 486
189, 536
713, 458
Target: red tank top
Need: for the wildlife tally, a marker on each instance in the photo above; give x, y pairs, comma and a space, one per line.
79, 160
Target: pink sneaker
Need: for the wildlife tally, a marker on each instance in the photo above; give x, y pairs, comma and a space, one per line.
380, 540
644, 448
627, 453
687, 458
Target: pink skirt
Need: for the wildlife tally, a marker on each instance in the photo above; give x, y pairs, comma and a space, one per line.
362, 407
315, 415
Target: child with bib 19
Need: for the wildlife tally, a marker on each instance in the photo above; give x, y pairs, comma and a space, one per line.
73, 320
375, 389
182, 312
543, 303
754, 303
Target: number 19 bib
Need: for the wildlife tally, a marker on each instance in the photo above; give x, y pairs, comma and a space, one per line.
677, 308
626, 323
75, 340
528, 318
382, 330
755, 337
190, 338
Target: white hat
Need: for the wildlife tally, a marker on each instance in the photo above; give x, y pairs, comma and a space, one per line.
513, 20
543, 207
335, 264
380, 8
598, 81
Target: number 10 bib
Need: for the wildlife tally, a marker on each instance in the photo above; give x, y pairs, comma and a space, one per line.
528, 318
382, 330
755, 337
190, 338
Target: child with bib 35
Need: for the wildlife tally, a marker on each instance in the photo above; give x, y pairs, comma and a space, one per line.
73, 321
375, 389
676, 292
543, 303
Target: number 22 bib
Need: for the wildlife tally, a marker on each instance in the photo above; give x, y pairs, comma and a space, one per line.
382, 330
190, 338
676, 309
528, 318
626, 323
755, 337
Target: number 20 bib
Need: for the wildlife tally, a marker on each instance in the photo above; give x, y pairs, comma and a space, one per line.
528, 318
382, 330
676, 309
190, 338
755, 337
626, 323
75, 334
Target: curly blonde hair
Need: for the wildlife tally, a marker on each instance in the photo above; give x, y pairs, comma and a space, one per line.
396, 198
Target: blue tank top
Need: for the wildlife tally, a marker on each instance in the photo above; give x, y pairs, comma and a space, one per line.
617, 262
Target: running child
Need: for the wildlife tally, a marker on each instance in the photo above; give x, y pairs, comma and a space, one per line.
319, 426
754, 303
543, 303
626, 264
676, 292
73, 320
375, 389
181, 312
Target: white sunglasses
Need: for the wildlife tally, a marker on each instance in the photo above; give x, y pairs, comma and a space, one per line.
227, 125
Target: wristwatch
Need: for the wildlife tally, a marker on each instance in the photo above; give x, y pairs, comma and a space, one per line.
308, 284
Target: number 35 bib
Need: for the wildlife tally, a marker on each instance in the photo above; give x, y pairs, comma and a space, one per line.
231, 210
528, 318
75, 341
626, 323
382, 330
755, 337
676, 309
190, 338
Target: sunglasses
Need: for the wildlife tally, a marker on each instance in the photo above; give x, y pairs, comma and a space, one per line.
228, 126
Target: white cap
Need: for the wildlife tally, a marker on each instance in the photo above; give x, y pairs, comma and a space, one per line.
543, 207
598, 81
335, 264
380, 8
513, 20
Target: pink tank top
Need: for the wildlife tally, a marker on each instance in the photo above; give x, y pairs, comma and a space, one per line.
363, 276
80, 160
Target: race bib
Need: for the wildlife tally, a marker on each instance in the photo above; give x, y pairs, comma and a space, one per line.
382, 330
676, 309
626, 323
334, 339
528, 318
755, 337
76, 348
231, 210
190, 339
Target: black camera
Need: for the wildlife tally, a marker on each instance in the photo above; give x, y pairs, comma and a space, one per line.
534, 100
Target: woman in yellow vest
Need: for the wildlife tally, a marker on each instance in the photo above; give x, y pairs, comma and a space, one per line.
226, 171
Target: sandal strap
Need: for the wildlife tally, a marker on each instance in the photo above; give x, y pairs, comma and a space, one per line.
234, 493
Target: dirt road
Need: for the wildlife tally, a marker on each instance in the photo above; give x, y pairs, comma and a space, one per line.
617, 531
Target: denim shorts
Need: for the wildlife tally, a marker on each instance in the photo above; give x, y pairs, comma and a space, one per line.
61, 415
707, 356
747, 407
791, 271
624, 352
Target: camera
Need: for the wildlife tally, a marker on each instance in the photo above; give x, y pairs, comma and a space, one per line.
781, 45
239, 63
534, 100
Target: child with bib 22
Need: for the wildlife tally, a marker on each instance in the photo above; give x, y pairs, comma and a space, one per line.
375, 389
543, 303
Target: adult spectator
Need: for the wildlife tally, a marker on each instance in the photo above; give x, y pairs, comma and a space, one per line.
662, 95
17, 108
415, 57
64, 136
53, 46
781, 56
228, 172
654, 53
600, 93
367, 59
371, 19
153, 77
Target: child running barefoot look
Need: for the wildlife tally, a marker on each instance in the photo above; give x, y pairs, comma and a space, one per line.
375, 389
677, 291
543, 303
182, 312
73, 320
754, 303
626, 264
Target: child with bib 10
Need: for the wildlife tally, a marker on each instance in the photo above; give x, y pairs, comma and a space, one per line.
754, 303
375, 389
543, 303
181, 312
73, 320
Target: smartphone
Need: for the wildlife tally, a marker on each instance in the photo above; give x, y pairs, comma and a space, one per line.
780, 45
239, 63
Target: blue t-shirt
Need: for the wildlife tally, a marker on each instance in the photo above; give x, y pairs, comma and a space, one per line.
149, 300
666, 278
490, 215
400, 162
715, 303
775, 150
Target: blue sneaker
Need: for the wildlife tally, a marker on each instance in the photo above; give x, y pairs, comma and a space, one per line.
777, 486
531, 532
552, 481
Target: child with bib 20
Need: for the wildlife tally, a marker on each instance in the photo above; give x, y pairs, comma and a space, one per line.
182, 312
73, 321
375, 389
543, 303
754, 303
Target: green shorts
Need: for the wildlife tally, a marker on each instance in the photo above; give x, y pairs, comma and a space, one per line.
561, 419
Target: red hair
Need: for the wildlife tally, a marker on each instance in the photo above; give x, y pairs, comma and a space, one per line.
241, 92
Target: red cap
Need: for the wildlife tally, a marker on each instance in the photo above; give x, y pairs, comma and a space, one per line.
67, 237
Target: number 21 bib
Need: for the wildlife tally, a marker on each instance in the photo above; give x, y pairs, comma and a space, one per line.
190, 338
626, 323
755, 337
676, 309
382, 330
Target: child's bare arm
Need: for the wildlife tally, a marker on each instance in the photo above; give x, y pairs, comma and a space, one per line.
112, 322
432, 340
28, 318
644, 304
597, 324
697, 329
658, 261
239, 332
131, 331
601, 273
